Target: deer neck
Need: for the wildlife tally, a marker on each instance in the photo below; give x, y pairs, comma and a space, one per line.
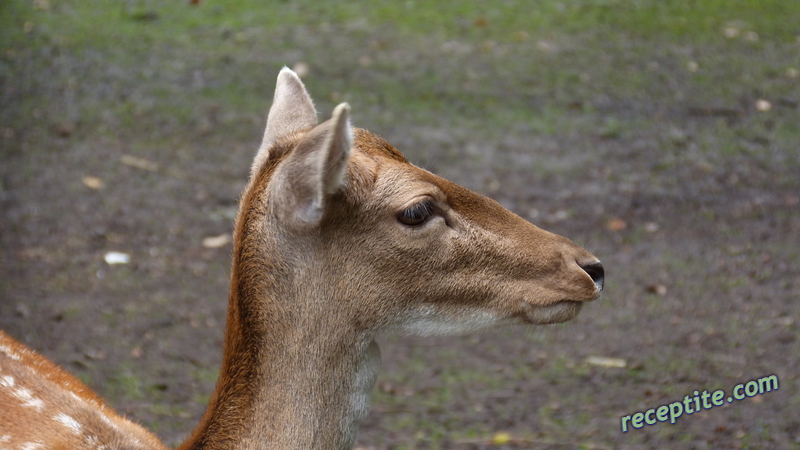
289, 379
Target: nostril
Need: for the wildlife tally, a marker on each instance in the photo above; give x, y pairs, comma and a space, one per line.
596, 272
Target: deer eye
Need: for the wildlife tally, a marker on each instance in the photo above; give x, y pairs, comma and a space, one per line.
416, 214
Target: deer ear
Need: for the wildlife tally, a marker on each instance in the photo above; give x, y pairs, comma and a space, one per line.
292, 110
313, 171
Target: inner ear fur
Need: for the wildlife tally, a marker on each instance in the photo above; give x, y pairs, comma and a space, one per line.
314, 170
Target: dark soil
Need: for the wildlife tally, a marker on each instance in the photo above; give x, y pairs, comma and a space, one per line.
689, 191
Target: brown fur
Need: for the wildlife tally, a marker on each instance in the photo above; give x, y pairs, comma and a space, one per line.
35, 393
322, 265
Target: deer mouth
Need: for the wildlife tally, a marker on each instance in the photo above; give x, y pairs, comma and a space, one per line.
554, 313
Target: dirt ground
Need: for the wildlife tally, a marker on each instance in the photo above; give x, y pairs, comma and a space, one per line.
678, 165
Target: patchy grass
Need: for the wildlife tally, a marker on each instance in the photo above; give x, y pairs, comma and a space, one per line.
573, 113
178, 61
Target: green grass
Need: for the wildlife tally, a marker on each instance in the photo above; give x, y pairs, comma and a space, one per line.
125, 383
90, 23
127, 47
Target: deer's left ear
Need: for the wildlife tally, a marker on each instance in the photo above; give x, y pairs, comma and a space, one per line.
292, 110
304, 182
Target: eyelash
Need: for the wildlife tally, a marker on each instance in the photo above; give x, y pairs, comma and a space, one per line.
417, 214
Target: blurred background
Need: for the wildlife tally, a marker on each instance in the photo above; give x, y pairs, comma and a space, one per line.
663, 136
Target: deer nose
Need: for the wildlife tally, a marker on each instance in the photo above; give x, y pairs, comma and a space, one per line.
596, 272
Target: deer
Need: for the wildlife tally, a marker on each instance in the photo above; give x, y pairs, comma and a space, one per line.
338, 240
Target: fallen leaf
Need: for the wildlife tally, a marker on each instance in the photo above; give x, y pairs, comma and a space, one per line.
616, 224
139, 163
605, 361
501, 438
92, 182
217, 241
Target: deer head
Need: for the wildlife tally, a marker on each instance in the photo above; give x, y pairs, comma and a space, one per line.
389, 245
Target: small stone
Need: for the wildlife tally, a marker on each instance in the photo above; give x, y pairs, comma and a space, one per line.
302, 69
217, 241
112, 258
658, 289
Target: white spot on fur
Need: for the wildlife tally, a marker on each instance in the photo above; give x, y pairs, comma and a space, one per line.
11, 354
68, 422
5, 438
84, 401
28, 400
31, 446
93, 441
7, 381
108, 421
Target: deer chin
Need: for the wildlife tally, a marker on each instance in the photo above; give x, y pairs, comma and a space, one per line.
430, 320
554, 313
